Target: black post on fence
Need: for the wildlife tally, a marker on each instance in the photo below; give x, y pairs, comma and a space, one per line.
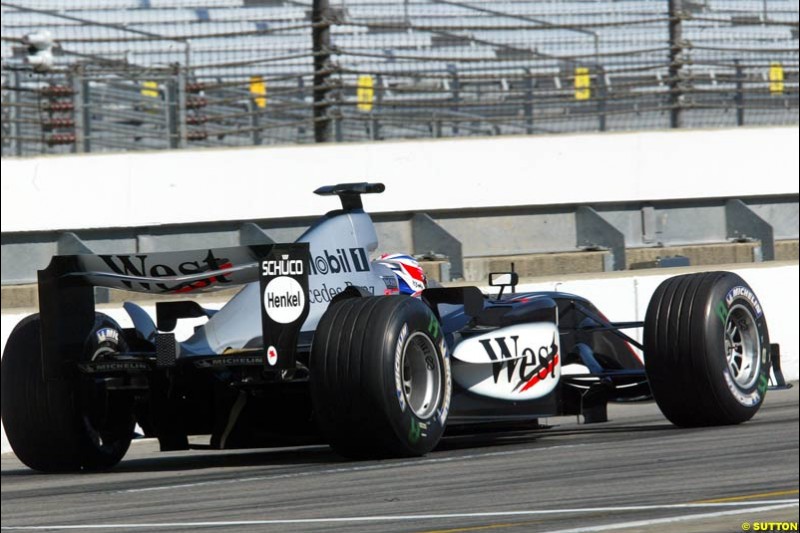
172, 115
375, 130
675, 15
338, 133
455, 88
321, 37
602, 98
255, 122
14, 114
527, 104
739, 98
82, 112
183, 133
301, 97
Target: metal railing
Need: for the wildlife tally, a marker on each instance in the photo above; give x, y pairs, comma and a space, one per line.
212, 73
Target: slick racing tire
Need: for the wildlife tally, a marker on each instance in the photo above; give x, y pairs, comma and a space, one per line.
67, 424
707, 352
380, 377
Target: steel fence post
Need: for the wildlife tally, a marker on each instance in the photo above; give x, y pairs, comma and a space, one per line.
675, 15
527, 104
739, 97
455, 88
321, 46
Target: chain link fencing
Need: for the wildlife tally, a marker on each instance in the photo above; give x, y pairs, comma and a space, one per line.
158, 74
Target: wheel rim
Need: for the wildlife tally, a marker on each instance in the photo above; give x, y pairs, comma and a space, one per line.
742, 346
422, 375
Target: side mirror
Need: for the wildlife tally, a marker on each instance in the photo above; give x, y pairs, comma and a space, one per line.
503, 279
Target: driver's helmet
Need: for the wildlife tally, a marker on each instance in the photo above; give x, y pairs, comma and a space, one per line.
411, 278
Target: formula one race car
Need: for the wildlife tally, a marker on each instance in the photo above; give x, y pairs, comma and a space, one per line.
321, 345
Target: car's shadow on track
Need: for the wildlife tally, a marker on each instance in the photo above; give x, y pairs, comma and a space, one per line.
322, 455
203, 459
207, 459
465, 439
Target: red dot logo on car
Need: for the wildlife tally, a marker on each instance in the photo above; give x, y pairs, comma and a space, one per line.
272, 355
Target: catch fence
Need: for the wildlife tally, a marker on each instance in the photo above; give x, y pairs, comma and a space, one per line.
157, 74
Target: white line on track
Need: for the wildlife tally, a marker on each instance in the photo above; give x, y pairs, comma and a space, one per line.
742, 508
670, 519
346, 469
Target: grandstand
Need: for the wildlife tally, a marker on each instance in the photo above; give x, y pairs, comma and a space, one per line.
151, 74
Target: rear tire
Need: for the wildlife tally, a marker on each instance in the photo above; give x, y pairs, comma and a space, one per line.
380, 377
66, 424
707, 352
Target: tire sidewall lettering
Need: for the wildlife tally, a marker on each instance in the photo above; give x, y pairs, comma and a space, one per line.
413, 429
102, 340
741, 295
398, 371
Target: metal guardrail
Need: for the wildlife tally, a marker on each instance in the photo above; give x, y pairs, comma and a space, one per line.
309, 71
486, 232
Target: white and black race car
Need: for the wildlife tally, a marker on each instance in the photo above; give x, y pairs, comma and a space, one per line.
318, 347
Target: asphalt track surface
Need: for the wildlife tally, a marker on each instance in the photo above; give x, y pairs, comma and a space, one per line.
635, 473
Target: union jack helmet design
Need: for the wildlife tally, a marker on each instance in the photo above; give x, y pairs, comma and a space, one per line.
411, 278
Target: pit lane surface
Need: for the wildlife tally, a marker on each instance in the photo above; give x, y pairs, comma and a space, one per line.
635, 473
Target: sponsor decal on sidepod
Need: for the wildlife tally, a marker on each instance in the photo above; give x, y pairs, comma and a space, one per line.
516, 363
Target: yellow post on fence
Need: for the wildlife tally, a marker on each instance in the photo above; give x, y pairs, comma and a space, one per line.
150, 89
365, 93
775, 78
583, 83
258, 88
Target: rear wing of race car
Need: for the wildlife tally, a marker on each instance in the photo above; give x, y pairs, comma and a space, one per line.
67, 304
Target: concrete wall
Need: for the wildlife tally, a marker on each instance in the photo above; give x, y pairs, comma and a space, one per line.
144, 189
620, 296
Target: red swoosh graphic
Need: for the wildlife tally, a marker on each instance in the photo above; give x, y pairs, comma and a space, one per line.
541, 374
204, 282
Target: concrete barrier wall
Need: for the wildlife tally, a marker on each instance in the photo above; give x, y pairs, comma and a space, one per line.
620, 296
145, 189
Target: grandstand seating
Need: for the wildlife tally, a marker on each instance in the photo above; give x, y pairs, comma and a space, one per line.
424, 51
194, 19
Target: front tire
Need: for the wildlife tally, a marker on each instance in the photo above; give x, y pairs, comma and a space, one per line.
707, 351
66, 424
380, 377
